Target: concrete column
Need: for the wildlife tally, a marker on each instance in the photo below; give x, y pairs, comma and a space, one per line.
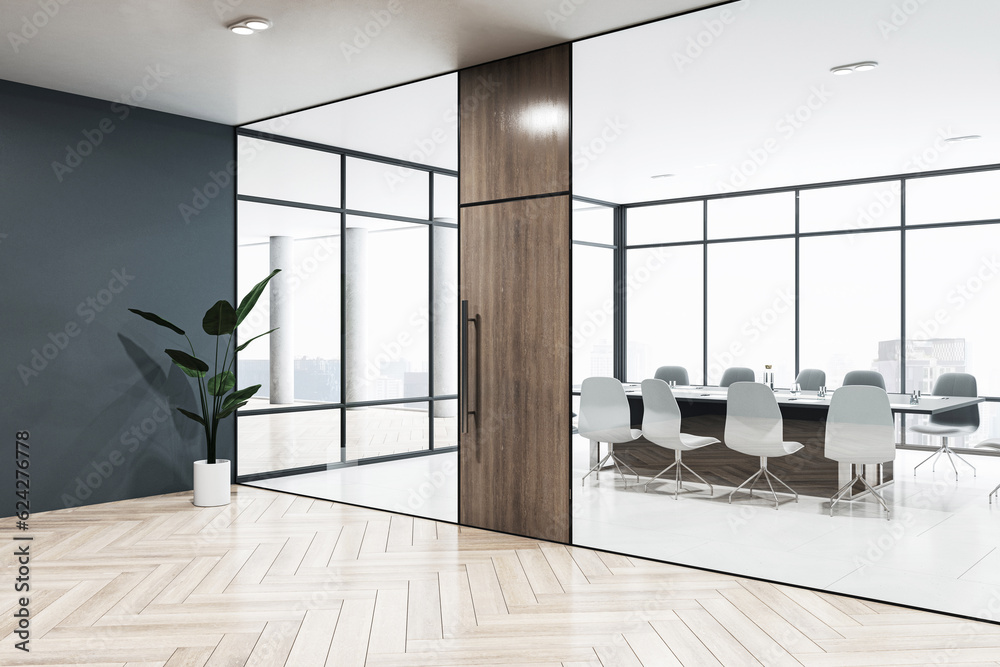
282, 370
445, 284
359, 376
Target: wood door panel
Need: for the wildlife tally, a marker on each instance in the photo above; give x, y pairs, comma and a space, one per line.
515, 460
515, 129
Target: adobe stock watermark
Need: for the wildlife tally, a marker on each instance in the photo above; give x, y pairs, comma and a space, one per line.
782, 303
899, 16
324, 249
700, 42
959, 296
786, 127
32, 25
592, 150
596, 318
425, 147
132, 437
433, 483
419, 322
371, 30
885, 199
87, 311
562, 11
217, 181
121, 108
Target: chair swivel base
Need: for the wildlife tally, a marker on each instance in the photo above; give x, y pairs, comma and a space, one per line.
678, 482
952, 455
618, 467
845, 489
768, 476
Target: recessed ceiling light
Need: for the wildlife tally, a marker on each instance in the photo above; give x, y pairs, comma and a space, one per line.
662, 176
967, 137
249, 26
864, 66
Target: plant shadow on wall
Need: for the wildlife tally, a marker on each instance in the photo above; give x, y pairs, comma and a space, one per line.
131, 434
217, 394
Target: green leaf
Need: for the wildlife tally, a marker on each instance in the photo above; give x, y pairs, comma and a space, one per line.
250, 300
240, 348
241, 395
220, 319
156, 319
191, 415
192, 366
221, 383
231, 409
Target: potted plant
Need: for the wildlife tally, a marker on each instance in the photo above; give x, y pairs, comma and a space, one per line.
218, 393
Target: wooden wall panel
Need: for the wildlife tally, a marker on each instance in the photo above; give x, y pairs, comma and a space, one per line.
515, 460
515, 126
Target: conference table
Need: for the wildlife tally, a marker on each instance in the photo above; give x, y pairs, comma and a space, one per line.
703, 411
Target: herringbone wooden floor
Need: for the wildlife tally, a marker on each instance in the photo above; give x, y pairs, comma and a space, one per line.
276, 579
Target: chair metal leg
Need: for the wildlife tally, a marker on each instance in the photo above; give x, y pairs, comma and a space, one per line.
934, 455
859, 477
778, 480
596, 467
773, 494
627, 467
678, 479
752, 478
768, 476
711, 490
946, 449
617, 464
962, 459
994, 493
654, 478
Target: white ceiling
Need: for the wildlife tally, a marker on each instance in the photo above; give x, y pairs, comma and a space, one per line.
646, 101
705, 119
313, 54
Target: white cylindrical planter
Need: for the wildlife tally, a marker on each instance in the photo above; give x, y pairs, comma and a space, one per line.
211, 483
282, 371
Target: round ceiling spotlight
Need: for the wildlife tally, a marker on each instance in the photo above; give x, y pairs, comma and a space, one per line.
249, 26
864, 66
258, 24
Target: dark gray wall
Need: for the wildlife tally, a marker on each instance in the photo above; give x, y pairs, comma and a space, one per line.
99, 213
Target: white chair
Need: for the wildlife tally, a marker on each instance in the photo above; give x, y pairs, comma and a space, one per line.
994, 444
810, 379
754, 427
605, 417
860, 431
736, 374
661, 425
866, 378
962, 421
678, 374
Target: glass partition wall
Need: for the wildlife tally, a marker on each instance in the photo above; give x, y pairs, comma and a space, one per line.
806, 277
359, 379
873, 274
